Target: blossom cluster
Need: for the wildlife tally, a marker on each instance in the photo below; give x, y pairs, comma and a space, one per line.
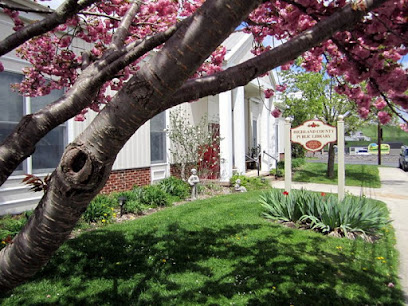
365, 60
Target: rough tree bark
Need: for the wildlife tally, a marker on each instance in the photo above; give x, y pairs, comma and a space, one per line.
86, 163
21, 143
65, 11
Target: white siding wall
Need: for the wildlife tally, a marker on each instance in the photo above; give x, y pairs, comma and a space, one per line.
135, 153
194, 111
10, 61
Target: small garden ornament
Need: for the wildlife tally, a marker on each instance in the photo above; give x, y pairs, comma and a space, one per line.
238, 186
193, 180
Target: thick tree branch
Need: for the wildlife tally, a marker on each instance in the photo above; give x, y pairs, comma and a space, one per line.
243, 73
32, 128
65, 11
123, 29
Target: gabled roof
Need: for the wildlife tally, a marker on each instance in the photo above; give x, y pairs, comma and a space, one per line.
239, 45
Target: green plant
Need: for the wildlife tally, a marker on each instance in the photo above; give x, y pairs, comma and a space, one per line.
133, 207
129, 194
324, 212
353, 215
284, 206
175, 187
250, 183
277, 172
151, 195
296, 163
10, 226
101, 209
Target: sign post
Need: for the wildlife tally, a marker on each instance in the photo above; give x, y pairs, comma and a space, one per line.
313, 135
288, 156
340, 158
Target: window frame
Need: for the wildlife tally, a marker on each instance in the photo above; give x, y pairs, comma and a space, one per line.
28, 163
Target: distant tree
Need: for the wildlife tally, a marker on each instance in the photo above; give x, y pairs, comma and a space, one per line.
310, 95
191, 144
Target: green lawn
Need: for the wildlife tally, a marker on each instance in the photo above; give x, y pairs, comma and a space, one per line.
390, 133
218, 251
356, 175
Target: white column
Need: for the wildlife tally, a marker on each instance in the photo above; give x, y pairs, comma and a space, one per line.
239, 130
340, 158
265, 131
288, 156
226, 136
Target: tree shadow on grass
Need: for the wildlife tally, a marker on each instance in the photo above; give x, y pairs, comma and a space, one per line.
204, 266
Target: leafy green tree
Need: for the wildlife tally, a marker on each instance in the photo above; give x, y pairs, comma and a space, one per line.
310, 95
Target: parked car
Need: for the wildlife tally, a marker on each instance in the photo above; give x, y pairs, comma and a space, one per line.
403, 159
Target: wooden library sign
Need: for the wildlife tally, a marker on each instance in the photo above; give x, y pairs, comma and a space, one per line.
313, 135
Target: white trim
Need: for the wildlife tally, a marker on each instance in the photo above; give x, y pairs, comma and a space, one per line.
225, 135
70, 130
154, 165
16, 60
239, 129
8, 23
22, 200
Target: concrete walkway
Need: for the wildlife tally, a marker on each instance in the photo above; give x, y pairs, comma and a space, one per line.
394, 192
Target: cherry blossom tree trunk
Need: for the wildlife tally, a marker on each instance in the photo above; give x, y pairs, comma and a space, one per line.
87, 162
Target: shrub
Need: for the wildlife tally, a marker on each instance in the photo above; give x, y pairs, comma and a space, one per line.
296, 163
133, 207
100, 209
283, 205
250, 183
325, 213
355, 215
11, 226
277, 172
151, 195
175, 187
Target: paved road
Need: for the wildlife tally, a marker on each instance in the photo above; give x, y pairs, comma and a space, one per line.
388, 160
394, 192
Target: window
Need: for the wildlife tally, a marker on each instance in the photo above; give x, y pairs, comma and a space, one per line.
158, 138
13, 106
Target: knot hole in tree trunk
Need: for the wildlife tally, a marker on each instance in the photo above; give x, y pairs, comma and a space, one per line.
78, 161
77, 165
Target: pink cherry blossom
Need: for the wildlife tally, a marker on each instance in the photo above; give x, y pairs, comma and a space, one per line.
276, 113
281, 88
269, 93
380, 104
384, 117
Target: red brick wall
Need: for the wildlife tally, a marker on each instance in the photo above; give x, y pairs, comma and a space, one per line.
121, 180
